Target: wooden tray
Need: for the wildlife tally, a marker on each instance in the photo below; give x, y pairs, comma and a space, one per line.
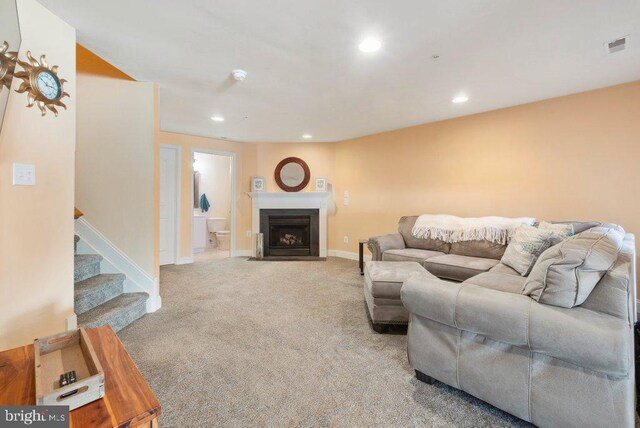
61, 353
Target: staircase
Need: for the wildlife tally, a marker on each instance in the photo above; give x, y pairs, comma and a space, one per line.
99, 298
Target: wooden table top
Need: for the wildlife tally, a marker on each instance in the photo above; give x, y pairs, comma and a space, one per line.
128, 400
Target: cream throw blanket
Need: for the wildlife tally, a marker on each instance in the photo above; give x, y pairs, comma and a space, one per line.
449, 228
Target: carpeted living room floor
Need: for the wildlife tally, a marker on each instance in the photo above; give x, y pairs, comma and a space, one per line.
248, 343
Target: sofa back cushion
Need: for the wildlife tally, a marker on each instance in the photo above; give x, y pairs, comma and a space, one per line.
566, 273
405, 227
580, 226
615, 293
484, 249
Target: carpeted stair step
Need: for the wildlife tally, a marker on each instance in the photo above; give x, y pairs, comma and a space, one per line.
86, 266
118, 312
76, 238
95, 291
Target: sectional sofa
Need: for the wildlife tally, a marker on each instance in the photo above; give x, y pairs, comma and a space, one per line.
471, 327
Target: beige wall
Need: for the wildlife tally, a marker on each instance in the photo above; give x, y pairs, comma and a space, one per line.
574, 157
215, 182
36, 223
116, 163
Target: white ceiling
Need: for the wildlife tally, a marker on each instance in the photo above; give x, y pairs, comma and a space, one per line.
306, 74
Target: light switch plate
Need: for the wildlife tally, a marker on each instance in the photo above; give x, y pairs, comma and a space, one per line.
346, 194
24, 174
345, 201
248, 233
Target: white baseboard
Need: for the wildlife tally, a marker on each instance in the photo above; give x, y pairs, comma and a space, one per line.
184, 260
242, 253
347, 255
330, 253
71, 322
115, 261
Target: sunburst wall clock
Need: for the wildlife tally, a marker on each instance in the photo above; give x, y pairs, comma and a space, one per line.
7, 65
41, 83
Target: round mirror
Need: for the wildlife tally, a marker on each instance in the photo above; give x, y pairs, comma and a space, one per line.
292, 174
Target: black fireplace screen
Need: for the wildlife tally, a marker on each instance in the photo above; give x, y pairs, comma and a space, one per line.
290, 232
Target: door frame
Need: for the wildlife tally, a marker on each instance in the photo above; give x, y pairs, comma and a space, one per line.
232, 173
178, 178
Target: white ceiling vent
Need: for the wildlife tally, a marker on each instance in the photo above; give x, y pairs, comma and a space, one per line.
617, 45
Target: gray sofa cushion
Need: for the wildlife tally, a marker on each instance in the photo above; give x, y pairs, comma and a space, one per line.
580, 226
409, 254
498, 281
458, 268
385, 279
484, 249
501, 268
526, 245
566, 273
405, 227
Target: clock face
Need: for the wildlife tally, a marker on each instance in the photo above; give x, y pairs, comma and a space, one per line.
48, 85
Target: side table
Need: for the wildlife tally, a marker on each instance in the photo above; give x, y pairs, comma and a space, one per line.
361, 254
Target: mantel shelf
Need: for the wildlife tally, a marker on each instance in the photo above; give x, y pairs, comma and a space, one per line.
290, 195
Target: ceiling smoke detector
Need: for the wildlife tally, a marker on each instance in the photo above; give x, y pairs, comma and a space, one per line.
239, 75
617, 45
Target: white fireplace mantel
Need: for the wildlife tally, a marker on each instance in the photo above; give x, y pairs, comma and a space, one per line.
288, 200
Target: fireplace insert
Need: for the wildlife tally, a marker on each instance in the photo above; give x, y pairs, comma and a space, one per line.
290, 232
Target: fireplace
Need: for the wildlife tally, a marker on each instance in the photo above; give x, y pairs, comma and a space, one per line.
290, 233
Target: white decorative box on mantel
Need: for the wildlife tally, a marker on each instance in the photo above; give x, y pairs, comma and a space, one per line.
290, 200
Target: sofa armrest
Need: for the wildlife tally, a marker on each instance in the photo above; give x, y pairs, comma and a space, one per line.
496, 314
379, 244
580, 336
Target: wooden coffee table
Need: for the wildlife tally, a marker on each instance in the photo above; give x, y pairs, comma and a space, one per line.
128, 401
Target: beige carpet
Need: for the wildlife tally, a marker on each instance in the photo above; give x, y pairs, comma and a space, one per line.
246, 343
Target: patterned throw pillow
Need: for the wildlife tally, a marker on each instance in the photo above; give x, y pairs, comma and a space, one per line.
526, 245
561, 231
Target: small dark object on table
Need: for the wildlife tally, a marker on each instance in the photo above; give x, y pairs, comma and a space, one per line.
67, 378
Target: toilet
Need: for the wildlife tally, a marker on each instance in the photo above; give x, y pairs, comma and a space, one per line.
218, 236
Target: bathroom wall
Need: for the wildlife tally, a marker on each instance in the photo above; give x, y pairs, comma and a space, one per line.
215, 182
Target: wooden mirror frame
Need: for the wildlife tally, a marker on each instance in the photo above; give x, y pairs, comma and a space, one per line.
305, 180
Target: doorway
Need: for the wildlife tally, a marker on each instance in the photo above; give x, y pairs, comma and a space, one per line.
169, 204
213, 205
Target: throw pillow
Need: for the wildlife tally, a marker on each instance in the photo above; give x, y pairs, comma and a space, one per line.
526, 244
566, 273
561, 231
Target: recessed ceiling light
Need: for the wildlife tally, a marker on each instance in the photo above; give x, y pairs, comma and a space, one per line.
307, 136
460, 99
370, 44
217, 118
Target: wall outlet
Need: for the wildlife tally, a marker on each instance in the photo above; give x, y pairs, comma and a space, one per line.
346, 239
248, 233
24, 174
